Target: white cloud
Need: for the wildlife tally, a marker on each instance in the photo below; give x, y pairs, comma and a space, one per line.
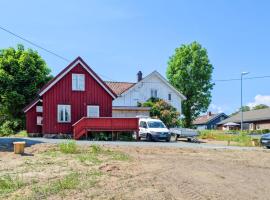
260, 99
215, 109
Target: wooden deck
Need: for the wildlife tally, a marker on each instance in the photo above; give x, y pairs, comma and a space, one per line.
102, 124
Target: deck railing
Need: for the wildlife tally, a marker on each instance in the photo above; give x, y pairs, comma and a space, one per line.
101, 124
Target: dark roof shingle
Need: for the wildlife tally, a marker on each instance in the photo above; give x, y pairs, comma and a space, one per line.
204, 119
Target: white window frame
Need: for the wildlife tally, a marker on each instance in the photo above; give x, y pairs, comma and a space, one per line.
78, 82
89, 107
154, 93
66, 119
39, 109
39, 120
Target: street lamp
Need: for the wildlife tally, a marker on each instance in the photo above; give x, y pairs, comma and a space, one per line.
242, 74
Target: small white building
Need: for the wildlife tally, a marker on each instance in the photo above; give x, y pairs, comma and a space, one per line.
130, 94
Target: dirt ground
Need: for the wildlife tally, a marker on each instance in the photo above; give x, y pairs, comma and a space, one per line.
148, 173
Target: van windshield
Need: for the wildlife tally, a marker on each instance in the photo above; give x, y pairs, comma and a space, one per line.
155, 125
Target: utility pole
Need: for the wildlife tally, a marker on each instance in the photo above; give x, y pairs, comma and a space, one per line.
242, 74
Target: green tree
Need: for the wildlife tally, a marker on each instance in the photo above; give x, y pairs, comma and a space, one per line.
189, 70
260, 106
22, 74
164, 111
244, 109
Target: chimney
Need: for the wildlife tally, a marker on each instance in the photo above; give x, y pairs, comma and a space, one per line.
139, 76
209, 114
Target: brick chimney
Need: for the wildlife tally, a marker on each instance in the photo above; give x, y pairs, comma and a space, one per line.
209, 114
139, 76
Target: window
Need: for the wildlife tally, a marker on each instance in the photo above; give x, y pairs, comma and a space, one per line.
154, 93
156, 125
39, 120
39, 108
78, 82
64, 114
169, 96
143, 124
92, 111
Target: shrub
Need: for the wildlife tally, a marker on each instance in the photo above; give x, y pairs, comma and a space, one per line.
9, 127
69, 147
22, 134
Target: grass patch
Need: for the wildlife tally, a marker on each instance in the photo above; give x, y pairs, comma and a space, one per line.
69, 182
242, 139
9, 184
89, 159
69, 147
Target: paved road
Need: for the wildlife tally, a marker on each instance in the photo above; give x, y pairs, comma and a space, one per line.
7, 141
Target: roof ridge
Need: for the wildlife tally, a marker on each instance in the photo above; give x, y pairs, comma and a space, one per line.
119, 82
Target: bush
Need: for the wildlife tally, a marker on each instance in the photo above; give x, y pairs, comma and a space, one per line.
9, 127
22, 134
69, 147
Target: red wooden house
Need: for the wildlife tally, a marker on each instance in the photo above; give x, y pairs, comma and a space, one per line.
76, 99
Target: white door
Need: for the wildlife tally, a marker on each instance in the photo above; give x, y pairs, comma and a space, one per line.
142, 129
92, 111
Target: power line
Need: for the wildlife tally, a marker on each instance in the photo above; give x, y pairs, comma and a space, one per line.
43, 48
34, 44
238, 79
67, 60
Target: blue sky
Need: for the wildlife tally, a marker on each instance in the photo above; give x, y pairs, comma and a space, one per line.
118, 38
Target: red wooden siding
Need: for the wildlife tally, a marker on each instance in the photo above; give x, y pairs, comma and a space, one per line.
61, 93
104, 124
31, 121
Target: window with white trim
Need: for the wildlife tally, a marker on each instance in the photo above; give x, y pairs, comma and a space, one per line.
154, 93
64, 113
39, 120
92, 111
39, 109
78, 82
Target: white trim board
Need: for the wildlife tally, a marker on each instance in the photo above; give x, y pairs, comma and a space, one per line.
68, 70
33, 104
162, 79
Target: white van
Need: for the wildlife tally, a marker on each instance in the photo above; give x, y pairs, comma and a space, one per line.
153, 129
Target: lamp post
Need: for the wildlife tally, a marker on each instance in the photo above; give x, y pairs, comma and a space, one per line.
242, 74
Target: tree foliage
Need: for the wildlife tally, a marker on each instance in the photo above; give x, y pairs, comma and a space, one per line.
260, 106
189, 70
164, 111
247, 108
22, 74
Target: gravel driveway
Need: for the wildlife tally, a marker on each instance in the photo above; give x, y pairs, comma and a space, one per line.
7, 142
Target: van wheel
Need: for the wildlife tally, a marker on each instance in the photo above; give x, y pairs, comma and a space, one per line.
149, 137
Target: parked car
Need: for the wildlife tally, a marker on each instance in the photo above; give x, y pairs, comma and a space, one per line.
153, 130
189, 134
265, 140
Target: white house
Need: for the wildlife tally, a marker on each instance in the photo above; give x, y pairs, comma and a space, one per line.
153, 85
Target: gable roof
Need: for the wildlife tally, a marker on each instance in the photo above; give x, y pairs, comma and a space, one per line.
73, 64
155, 73
59, 76
119, 87
249, 116
205, 119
